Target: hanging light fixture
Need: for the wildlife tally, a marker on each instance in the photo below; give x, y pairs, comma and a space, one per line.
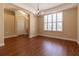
38, 9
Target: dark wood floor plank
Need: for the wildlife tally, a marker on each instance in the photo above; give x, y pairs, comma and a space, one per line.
38, 46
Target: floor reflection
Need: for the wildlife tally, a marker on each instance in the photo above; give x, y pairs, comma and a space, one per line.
52, 49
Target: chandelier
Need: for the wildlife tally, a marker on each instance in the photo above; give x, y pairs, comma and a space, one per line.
38, 10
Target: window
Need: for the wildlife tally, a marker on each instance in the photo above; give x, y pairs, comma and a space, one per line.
53, 22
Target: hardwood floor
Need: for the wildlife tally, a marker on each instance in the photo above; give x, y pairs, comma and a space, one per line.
39, 46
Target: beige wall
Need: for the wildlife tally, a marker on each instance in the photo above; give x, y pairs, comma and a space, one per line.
78, 24
33, 25
21, 23
9, 23
1, 25
70, 25
27, 24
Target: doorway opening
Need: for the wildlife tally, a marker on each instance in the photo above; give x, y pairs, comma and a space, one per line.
16, 23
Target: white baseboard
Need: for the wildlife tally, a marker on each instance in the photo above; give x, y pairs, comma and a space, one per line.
59, 37
25, 33
10, 36
78, 42
1, 44
14, 35
31, 36
45, 36
22, 34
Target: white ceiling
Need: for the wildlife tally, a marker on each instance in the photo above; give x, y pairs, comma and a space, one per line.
32, 7
42, 6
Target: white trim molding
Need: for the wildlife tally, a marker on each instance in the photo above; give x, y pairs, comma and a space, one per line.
2, 44
14, 35
78, 24
10, 36
26, 7
31, 36
78, 42
59, 37
25, 33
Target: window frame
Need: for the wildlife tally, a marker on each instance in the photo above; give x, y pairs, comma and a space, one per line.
54, 22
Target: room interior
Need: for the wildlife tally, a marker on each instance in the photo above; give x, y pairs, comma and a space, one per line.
30, 29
